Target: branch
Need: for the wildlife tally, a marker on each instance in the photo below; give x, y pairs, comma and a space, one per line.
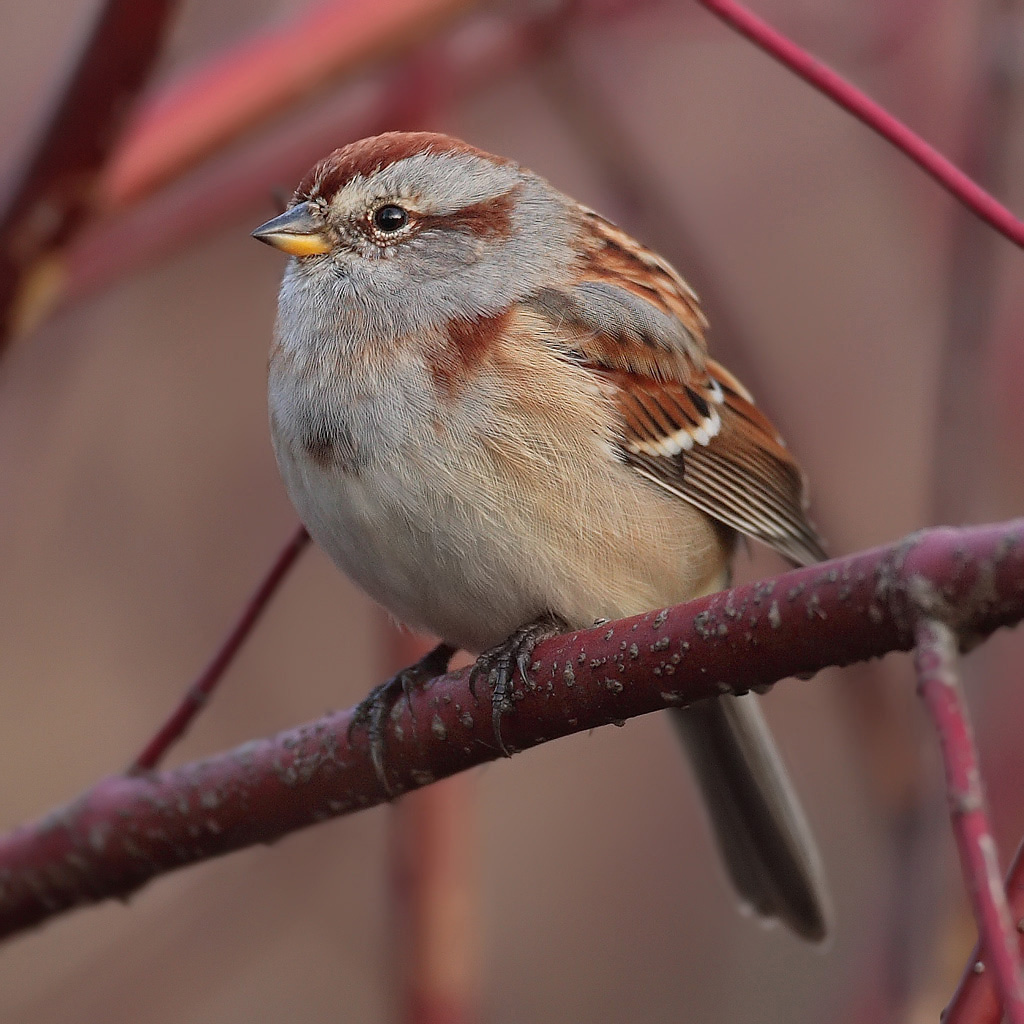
965, 362
942, 694
471, 56
196, 696
126, 831
248, 83
875, 116
434, 943
973, 270
52, 193
975, 1000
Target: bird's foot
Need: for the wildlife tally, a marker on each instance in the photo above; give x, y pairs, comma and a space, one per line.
372, 710
500, 664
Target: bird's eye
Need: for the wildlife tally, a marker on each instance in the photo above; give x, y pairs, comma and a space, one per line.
390, 218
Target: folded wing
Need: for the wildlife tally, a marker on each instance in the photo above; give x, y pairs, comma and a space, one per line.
687, 424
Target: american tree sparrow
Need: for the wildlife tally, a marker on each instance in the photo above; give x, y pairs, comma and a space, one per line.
496, 412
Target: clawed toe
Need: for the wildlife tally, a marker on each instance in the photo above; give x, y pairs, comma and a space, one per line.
499, 665
372, 711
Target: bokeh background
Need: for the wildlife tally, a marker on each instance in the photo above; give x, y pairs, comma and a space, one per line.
139, 503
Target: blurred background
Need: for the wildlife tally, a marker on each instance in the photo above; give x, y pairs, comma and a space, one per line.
139, 502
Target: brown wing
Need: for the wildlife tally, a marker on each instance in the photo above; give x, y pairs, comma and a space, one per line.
710, 445
687, 424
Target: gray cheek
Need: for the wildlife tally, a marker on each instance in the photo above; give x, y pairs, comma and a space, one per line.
362, 300
357, 300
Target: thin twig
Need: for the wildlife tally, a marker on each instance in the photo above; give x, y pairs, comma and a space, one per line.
976, 1000
199, 693
939, 686
127, 830
963, 439
875, 116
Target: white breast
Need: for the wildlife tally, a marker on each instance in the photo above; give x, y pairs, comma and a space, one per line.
472, 519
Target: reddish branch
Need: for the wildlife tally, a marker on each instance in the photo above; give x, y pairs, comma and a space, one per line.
257, 78
940, 688
471, 56
127, 830
54, 189
988, 139
976, 1000
475, 53
875, 116
105, 844
196, 696
434, 893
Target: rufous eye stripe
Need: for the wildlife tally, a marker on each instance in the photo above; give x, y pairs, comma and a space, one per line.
490, 218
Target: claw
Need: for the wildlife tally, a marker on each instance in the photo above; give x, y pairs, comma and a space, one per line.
497, 664
523, 661
373, 710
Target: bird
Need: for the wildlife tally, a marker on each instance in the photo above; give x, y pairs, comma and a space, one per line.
495, 410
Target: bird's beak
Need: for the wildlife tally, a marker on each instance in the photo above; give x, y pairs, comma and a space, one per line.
297, 232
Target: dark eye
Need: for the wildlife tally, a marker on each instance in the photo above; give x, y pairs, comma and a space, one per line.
390, 218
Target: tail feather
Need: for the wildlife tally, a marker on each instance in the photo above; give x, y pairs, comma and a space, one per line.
759, 825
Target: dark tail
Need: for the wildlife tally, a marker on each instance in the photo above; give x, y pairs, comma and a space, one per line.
760, 826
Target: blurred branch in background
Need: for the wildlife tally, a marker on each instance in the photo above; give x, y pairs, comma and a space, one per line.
964, 448
875, 116
199, 693
247, 84
961, 432
476, 52
435, 970
54, 191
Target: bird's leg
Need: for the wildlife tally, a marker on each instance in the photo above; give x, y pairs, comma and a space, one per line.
499, 665
373, 709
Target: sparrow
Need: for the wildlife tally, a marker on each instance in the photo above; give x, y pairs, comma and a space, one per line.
496, 412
